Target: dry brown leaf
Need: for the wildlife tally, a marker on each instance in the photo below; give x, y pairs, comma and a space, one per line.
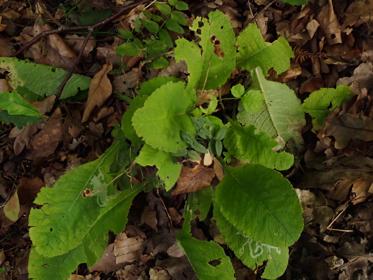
149, 217
22, 137
46, 105
312, 27
12, 208
100, 90
360, 191
158, 274
107, 262
329, 23
359, 12
53, 50
193, 179
347, 127
45, 142
76, 43
28, 189
127, 249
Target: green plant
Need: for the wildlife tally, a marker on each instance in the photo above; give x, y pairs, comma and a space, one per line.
255, 207
151, 35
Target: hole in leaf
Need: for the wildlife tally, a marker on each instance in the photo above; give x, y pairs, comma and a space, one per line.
198, 31
53, 70
200, 24
215, 262
51, 229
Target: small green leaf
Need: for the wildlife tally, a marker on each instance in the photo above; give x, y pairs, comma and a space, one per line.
238, 90
323, 101
207, 258
180, 17
253, 51
245, 144
174, 26
165, 38
252, 253
261, 204
151, 26
181, 5
164, 116
274, 109
159, 63
168, 169
125, 34
14, 109
129, 49
164, 8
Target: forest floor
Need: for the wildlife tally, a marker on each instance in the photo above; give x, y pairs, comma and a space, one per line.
332, 43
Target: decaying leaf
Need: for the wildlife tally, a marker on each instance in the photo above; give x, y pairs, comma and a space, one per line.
127, 249
193, 179
100, 90
45, 142
329, 23
12, 208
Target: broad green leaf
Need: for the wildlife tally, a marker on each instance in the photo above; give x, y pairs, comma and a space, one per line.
15, 109
295, 2
164, 116
274, 109
323, 101
67, 215
260, 203
250, 252
181, 5
168, 169
253, 51
89, 250
137, 102
42, 80
207, 258
210, 67
247, 145
191, 54
180, 17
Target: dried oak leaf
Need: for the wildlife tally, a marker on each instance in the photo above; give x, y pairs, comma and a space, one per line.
193, 179
100, 90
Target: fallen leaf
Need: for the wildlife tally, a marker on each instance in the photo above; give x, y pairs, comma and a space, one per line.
76, 43
347, 127
12, 208
100, 90
193, 179
45, 142
359, 12
312, 27
127, 249
149, 217
360, 191
107, 262
22, 137
329, 23
28, 188
52, 51
158, 274
5, 47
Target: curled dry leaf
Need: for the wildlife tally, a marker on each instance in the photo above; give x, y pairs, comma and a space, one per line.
100, 90
22, 137
193, 179
4, 86
360, 191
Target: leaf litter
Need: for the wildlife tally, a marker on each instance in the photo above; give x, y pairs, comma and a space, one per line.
335, 181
